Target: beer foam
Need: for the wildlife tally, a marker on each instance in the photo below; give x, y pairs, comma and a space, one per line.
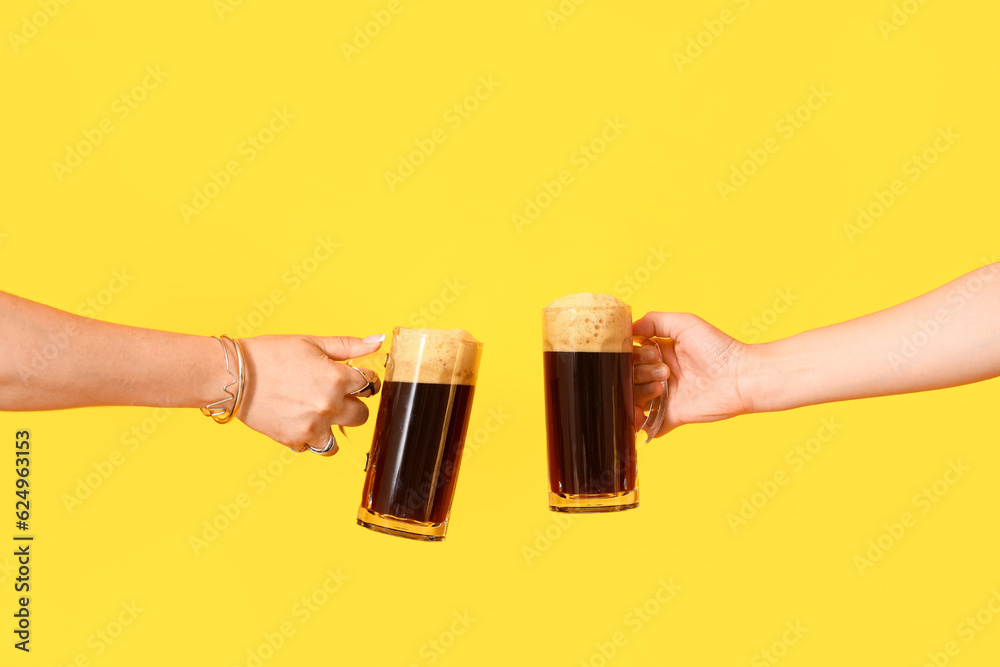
587, 322
434, 356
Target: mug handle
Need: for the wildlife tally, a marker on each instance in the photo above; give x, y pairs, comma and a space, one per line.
658, 406
375, 363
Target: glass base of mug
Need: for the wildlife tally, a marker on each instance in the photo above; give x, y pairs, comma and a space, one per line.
591, 503
391, 525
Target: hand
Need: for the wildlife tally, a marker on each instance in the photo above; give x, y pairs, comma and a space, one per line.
297, 387
703, 366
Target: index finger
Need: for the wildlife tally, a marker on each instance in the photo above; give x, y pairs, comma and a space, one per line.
661, 325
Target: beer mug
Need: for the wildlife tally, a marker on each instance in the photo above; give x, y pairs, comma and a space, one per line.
590, 418
412, 467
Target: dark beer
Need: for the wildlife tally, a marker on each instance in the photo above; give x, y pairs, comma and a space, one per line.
417, 450
591, 435
590, 418
420, 432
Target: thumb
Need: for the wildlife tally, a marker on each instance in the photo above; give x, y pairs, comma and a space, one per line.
662, 325
343, 348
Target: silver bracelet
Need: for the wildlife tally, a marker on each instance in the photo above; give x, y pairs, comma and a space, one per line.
216, 410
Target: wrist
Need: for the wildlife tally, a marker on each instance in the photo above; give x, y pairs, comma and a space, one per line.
781, 375
209, 377
752, 379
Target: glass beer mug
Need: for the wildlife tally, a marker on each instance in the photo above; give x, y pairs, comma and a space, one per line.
412, 467
590, 417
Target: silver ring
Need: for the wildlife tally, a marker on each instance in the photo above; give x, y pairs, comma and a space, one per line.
330, 444
369, 383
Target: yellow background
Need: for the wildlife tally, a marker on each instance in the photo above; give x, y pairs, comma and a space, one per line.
654, 187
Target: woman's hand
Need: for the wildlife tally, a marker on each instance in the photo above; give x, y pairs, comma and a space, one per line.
703, 366
297, 387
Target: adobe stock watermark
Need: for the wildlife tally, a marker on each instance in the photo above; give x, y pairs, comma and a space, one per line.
786, 126
914, 167
581, 158
43, 356
32, 23
757, 326
92, 306
779, 648
121, 108
432, 650
796, 458
632, 282
248, 149
102, 639
223, 7
703, 39
476, 438
635, 620
927, 330
717, 368
7, 568
454, 118
428, 313
922, 501
562, 12
259, 481
293, 278
304, 609
104, 468
368, 31
900, 15
544, 538
58, 341
967, 630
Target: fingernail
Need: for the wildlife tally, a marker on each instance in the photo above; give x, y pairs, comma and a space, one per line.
660, 373
647, 354
374, 338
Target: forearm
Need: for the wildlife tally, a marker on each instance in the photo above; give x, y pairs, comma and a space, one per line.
947, 337
53, 359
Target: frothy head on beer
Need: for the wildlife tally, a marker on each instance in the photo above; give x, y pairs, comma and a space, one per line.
587, 322
434, 356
